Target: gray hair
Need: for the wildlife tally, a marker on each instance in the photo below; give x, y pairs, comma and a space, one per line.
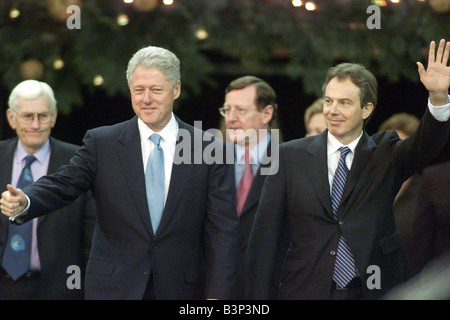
30, 90
156, 57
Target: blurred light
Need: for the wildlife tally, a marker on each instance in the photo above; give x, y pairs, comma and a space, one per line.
58, 64
168, 2
310, 6
128, 1
122, 19
380, 3
98, 80
395, 1
201, 34
14, 13
297, 3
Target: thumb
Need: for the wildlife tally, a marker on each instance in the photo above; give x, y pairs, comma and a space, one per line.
420, 68
12, 190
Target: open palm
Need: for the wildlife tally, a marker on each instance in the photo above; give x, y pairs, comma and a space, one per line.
436, 78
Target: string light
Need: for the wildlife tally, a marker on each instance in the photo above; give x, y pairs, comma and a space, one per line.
122, 19
14, 13
58, 64
98, 80
168, 2
310, 6
297, 3
201, 34
128, 1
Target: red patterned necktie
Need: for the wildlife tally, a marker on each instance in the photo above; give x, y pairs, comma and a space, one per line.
244, 185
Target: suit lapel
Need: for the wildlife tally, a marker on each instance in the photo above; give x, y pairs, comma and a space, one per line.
254, 195
363, 153
130, 157
317, 167
180, 176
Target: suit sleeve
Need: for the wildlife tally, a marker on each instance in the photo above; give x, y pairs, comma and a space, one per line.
61, 188
221, 233
266, 238
418, 150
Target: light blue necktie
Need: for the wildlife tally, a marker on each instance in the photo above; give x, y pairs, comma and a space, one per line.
154, 182
344, 268
16, 258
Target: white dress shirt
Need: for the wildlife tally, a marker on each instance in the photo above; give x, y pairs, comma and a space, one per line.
38, 168
168, 142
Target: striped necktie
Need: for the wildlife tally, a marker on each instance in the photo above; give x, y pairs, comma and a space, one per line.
344, 268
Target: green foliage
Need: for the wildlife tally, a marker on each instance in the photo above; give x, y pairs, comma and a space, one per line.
244, 36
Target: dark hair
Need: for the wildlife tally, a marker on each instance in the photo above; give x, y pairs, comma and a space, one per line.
361, 77
265, 95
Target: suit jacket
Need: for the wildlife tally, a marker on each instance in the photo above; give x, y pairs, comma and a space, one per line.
431, 228
246, 220
193, 253
64, 238
298, 196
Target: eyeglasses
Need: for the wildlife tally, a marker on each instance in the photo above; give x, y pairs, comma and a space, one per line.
239, 112
29, 117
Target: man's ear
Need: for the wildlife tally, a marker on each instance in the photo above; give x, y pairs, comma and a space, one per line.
367, 110
11, 118
267, 114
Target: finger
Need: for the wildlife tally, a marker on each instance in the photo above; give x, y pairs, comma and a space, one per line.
440, 51
12, 190
420, 69
446, 54
431, 53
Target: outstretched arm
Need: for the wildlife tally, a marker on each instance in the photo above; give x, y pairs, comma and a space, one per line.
436, 78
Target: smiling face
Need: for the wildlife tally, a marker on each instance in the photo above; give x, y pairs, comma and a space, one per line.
342, 110
152, 97
35, 134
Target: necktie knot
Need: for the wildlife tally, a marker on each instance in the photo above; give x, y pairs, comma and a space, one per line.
156, 139
29, 160
344, 152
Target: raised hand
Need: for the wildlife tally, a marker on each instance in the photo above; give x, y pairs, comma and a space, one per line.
13, 201
436, 78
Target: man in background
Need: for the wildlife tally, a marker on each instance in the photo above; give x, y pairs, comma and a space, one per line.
36, 255
250, 107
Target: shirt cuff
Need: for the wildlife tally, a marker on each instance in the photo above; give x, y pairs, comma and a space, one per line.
440, 113
22, 213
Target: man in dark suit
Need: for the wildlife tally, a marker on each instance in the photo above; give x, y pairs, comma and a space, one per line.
334, 191
431, 229
167, 223
32, 114
250, 107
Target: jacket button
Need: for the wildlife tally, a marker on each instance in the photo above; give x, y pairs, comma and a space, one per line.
332, 252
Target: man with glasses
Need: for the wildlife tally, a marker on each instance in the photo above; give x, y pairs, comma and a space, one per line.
34, 257
249, 109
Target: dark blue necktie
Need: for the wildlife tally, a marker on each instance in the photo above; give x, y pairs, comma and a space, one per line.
154, 181
16, 258
344, 268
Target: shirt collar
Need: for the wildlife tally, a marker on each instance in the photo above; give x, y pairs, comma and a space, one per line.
334, 144
256, 153
41, 155
168, 133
